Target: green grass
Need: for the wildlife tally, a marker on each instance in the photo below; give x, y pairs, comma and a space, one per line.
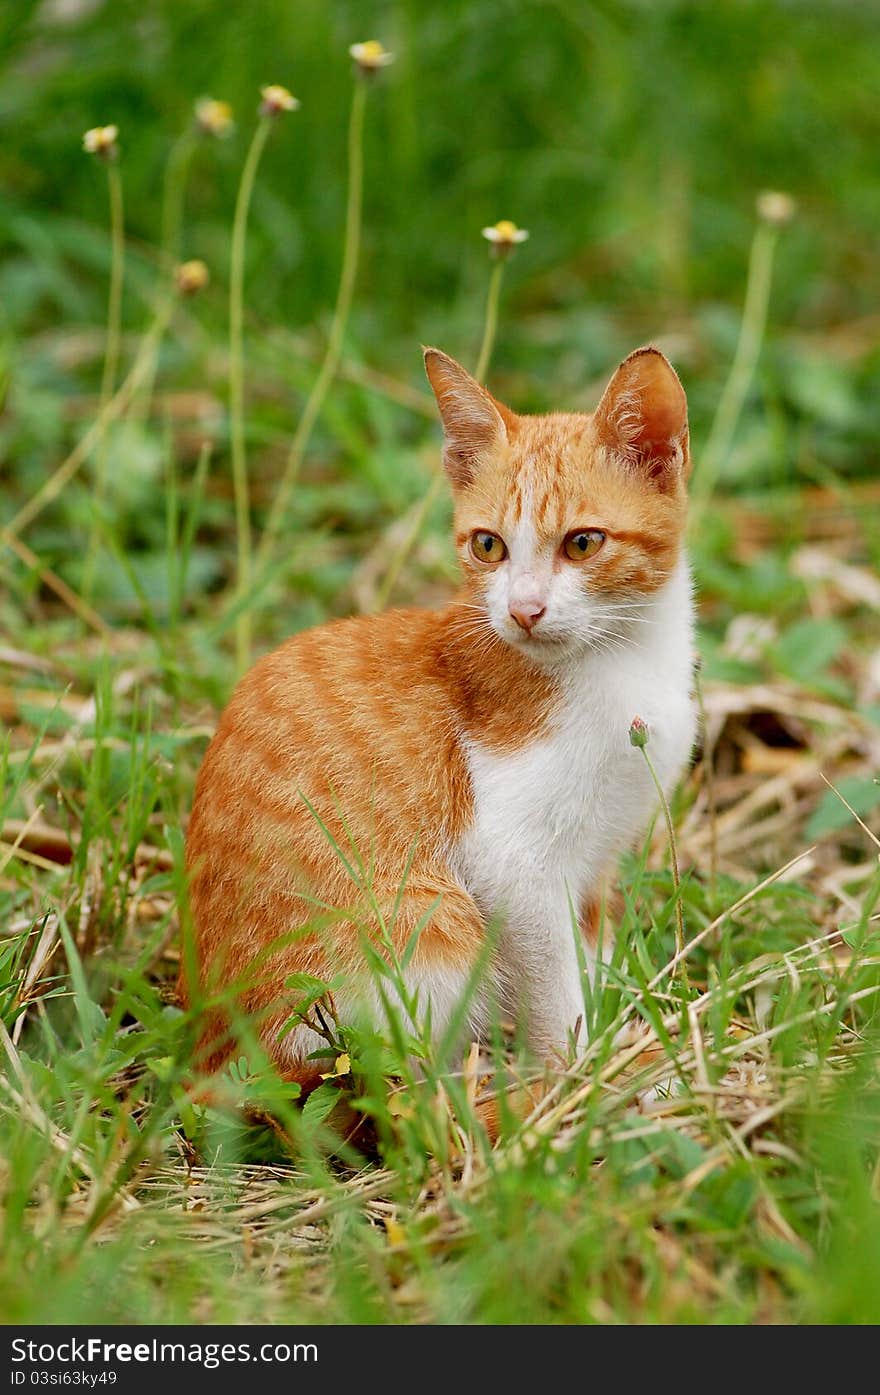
713, 1155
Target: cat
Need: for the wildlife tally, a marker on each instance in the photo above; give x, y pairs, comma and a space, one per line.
476, 756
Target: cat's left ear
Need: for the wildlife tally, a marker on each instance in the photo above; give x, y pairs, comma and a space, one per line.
643, 418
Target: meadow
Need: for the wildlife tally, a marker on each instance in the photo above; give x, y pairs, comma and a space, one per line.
215, 431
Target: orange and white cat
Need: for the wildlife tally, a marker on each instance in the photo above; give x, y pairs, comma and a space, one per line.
470, 763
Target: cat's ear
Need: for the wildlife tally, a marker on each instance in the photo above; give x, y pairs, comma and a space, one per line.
642, 418
472, 420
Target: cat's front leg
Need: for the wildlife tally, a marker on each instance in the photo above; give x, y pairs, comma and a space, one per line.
545, 974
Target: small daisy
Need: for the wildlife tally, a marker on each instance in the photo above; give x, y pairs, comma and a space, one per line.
214, 118
503, 237
370, 56
276, 100
102, 141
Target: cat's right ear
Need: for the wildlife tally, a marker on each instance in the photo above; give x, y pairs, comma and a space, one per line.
472, 420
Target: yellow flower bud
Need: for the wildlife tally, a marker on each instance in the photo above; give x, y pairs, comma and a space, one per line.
191, 277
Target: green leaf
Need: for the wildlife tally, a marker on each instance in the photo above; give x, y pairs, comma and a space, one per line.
321, 1103
163, 1067
91, 1018
824, 389
807, 647
830, 814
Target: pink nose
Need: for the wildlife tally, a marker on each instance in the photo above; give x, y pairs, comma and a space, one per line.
527, 614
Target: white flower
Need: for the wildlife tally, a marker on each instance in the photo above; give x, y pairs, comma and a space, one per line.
504, 236
370, 56
101, 141
276, 100
775, 208
213, 117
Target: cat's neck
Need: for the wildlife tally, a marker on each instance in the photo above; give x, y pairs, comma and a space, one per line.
505, 695
500, 697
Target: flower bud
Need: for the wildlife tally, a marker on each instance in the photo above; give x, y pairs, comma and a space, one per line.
638, 733
191, 277
775, 208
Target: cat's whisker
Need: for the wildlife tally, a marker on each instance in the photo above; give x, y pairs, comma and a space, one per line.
473, 629
479, 618
606, 641
609, 608
626, 603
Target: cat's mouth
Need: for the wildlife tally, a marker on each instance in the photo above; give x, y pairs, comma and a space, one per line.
536, 639
549, 645
595, 635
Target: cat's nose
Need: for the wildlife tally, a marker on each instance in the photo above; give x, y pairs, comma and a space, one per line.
527, 614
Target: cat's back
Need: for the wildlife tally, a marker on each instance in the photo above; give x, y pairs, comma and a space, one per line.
352, 718
346, 688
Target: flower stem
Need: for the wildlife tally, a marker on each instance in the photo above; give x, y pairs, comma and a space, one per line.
114, 305
742, 370
490, 326
676, 878
236, 391
111, 352
173, 194
421, 511
333, 352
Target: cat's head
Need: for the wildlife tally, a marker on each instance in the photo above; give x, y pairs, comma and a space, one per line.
566, 525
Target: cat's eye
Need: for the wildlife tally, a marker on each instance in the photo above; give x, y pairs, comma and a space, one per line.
584, 542
488, 547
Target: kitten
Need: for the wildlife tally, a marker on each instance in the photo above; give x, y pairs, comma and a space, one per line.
476, 756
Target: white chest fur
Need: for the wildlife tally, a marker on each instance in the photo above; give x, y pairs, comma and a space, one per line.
551, 819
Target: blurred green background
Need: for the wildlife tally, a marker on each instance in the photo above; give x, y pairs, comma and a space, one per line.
630, 138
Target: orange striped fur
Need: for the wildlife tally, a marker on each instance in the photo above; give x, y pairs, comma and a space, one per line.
355, 740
